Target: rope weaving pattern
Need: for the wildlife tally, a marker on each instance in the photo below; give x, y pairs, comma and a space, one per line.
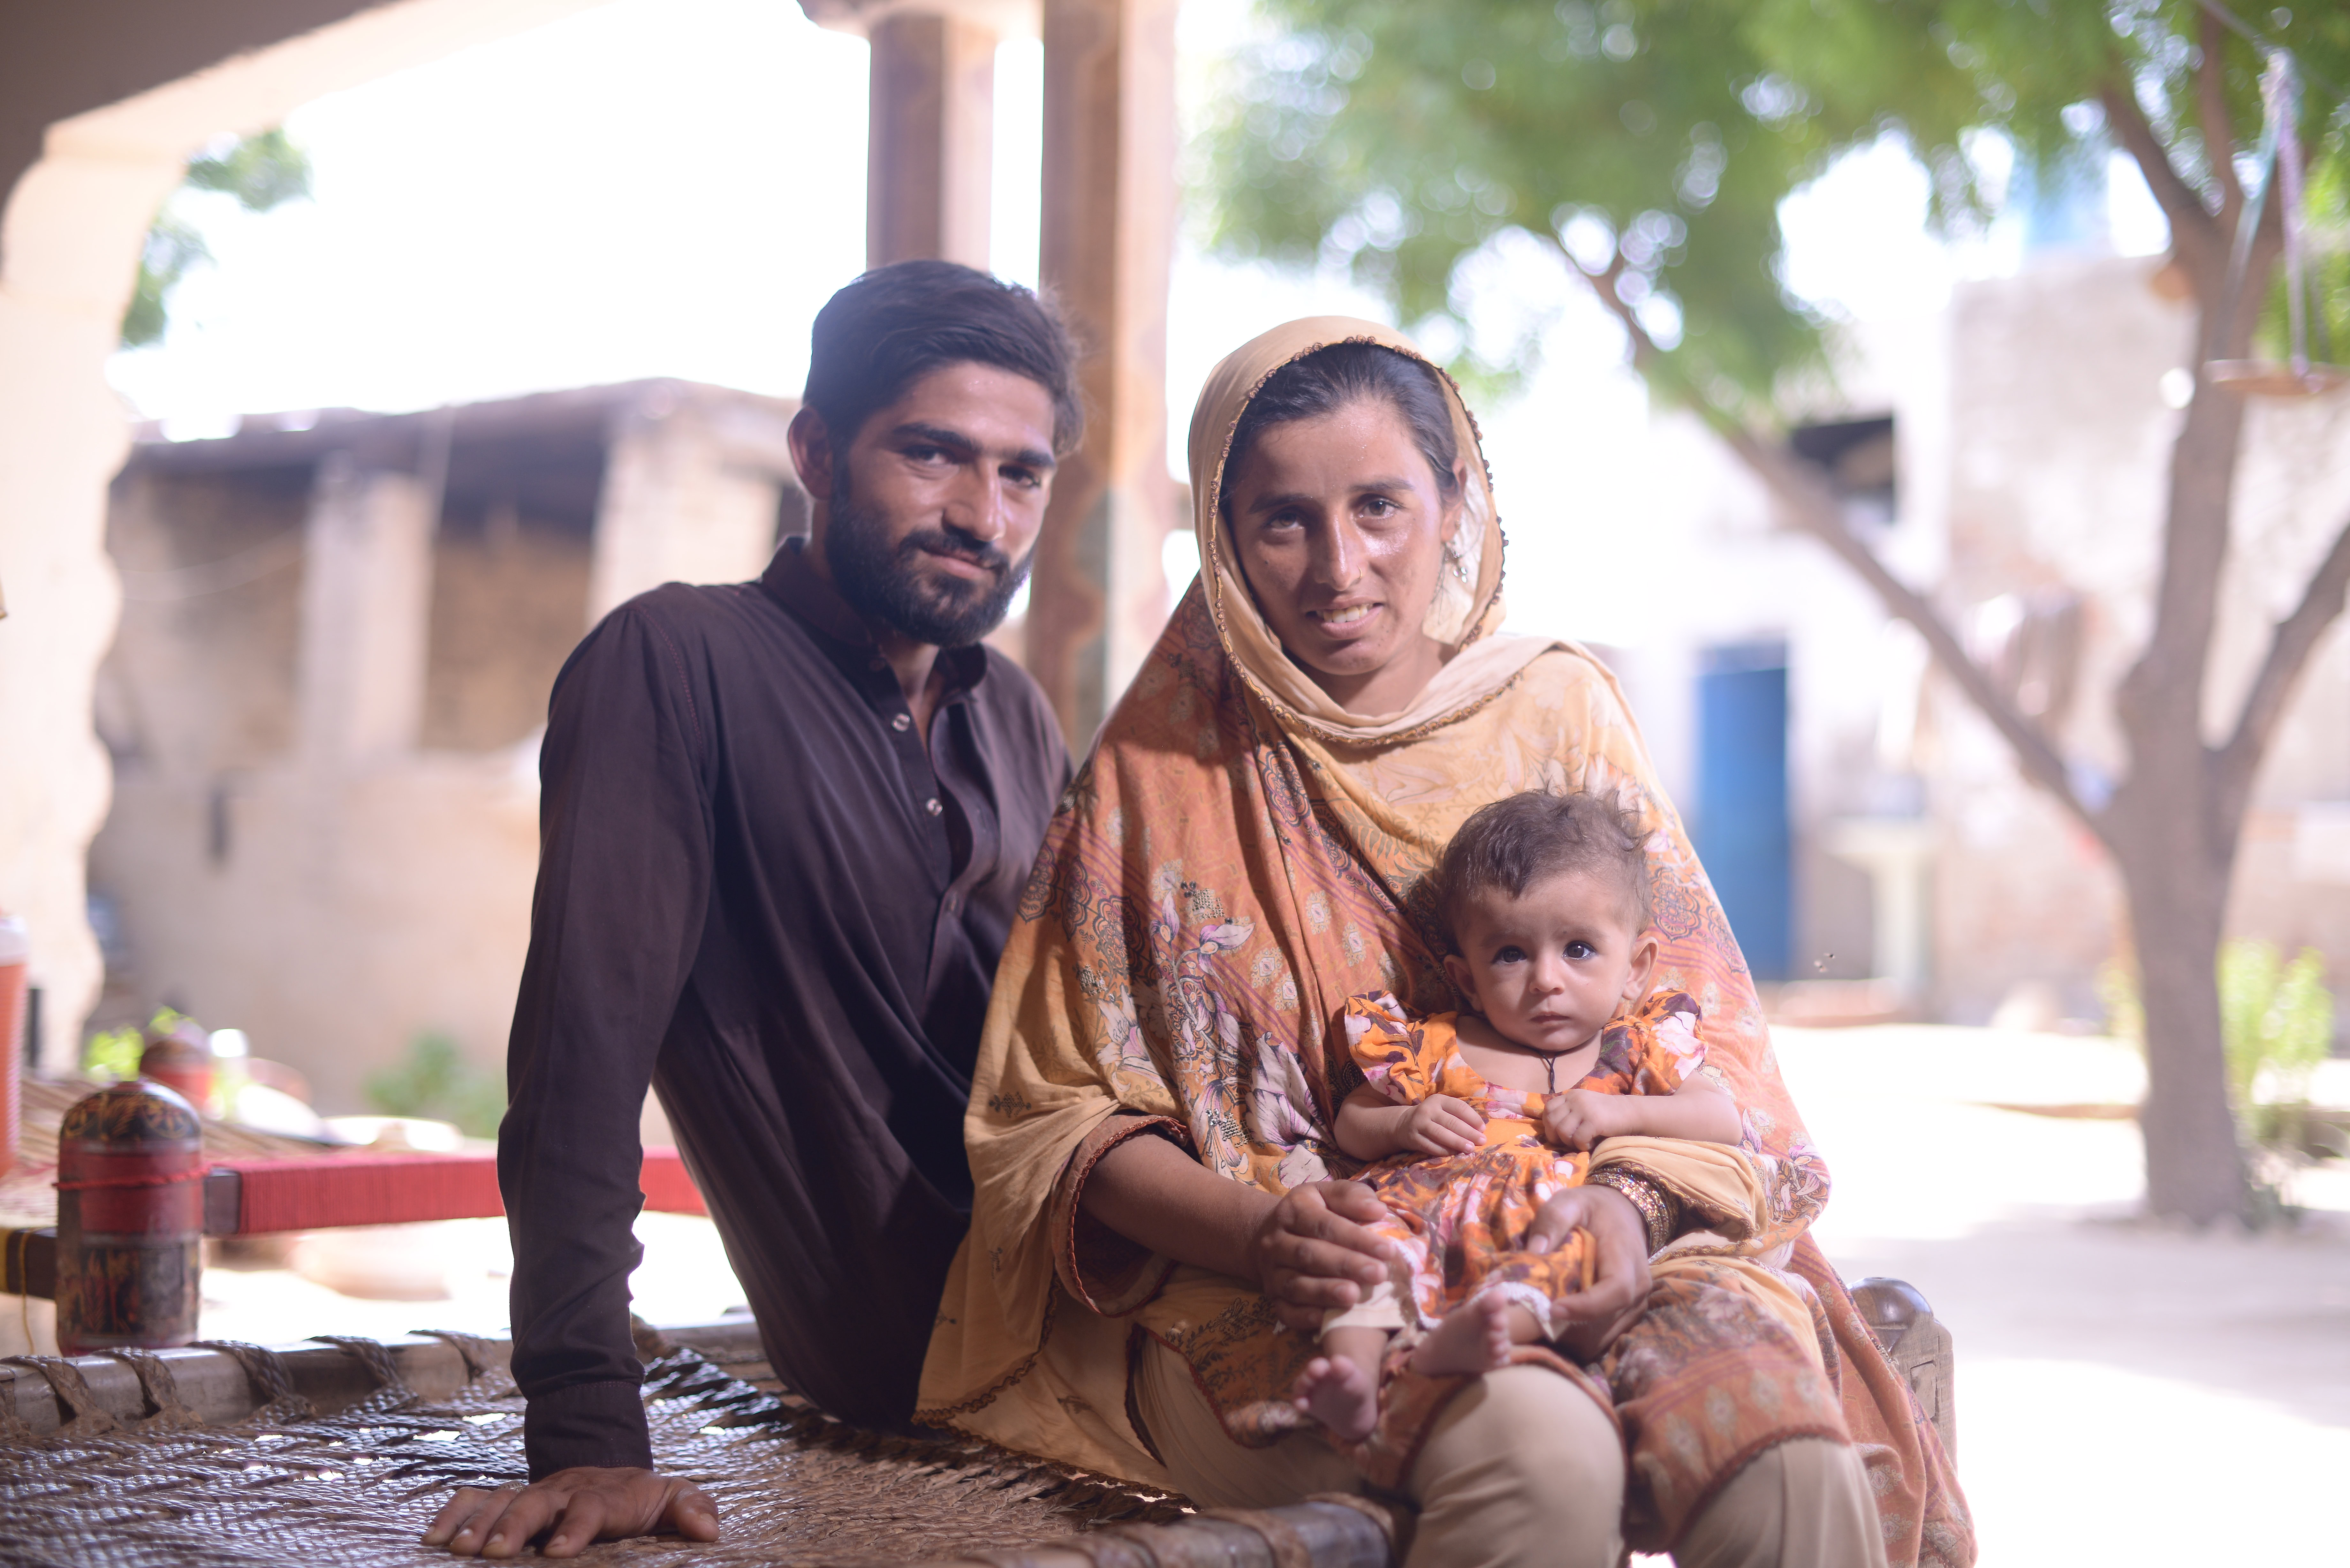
357, 1486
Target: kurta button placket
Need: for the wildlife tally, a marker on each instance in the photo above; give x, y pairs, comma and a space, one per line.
901, 721
933, 807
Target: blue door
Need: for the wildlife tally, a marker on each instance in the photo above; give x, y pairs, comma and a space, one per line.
1741, 825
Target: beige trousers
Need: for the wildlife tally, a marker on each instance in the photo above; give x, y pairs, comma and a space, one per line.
1525, 1471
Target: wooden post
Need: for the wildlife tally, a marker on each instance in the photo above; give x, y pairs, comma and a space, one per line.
1098, 594
932, 139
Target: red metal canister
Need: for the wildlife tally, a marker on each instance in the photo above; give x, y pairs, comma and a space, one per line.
130, 1219
181, 1059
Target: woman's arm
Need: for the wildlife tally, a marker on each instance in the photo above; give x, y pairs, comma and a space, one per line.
1619, 1289
1308, 1250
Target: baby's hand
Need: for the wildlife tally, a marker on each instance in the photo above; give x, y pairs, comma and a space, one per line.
1578, 1119
1442, 1125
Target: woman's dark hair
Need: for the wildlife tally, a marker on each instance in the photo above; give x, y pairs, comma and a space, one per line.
898, 323
1341, 375
1520, 839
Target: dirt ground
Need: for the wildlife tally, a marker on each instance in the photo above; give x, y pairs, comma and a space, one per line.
2128, 1393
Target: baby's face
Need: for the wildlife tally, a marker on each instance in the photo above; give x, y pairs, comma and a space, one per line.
1549, 968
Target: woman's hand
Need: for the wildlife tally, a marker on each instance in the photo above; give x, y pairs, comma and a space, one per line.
1313, 1251
1578, 1119
1441, 1125
1619, 1290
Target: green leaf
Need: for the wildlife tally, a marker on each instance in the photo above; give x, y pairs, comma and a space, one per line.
262, 171
1399, 140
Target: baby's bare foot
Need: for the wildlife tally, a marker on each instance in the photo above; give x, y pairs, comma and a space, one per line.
1340, 1395
1473, 1337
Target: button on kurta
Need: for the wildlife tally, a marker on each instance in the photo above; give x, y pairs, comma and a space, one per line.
932, 806
901, 721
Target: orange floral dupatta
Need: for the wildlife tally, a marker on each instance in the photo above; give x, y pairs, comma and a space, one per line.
1238, 856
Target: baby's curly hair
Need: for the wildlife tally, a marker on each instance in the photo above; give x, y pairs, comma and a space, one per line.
1520, 839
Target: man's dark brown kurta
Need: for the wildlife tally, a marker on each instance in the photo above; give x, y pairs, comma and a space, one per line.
758, 891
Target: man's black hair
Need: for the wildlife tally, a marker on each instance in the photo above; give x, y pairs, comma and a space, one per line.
1522, 839
898, 323
1338, 377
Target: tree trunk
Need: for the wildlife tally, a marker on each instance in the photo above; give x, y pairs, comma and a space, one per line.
2173, 839
2194, 1167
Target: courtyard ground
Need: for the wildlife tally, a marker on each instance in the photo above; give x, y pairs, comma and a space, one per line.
2128, 1392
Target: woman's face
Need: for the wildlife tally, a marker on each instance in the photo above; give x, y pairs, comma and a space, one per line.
1339, 529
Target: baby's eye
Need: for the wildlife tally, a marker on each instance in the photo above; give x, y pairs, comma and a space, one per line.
1510, 955
1580, 950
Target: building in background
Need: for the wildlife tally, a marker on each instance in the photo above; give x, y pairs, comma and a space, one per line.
325, 700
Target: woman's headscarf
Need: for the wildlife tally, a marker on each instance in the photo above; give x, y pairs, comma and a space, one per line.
1467, 608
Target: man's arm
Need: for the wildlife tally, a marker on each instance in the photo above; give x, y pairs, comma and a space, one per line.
623, 891
1309, 1249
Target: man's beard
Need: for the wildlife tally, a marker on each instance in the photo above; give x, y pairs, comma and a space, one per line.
893, 585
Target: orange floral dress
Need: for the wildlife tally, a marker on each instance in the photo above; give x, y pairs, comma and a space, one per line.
1460, 1220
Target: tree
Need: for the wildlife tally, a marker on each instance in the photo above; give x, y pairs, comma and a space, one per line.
262, 171
1649, 142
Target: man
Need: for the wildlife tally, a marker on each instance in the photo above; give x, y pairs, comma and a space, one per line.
785, 826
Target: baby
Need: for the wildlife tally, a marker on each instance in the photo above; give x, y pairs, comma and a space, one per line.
1488, 1112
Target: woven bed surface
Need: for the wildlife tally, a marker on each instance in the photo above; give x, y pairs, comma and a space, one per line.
358, 1486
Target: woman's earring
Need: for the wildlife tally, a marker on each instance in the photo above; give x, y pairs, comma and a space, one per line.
1460, 566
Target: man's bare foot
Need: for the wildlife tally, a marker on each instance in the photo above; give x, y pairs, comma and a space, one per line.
1475, 1336
1340, 1395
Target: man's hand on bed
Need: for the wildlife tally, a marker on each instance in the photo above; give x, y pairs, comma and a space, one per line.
1619, 1290
572, 1509
1313, 1251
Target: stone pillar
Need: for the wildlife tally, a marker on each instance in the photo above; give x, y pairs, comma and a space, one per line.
678, 506
366, 609
931, 140
1099, 593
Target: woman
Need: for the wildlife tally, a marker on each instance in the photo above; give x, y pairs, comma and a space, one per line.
1157, 1187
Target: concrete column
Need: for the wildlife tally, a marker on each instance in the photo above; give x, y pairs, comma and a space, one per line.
1099, 594
931, 144
678, 506
366, 609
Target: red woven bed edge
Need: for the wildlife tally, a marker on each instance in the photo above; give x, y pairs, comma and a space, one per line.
335, 1191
